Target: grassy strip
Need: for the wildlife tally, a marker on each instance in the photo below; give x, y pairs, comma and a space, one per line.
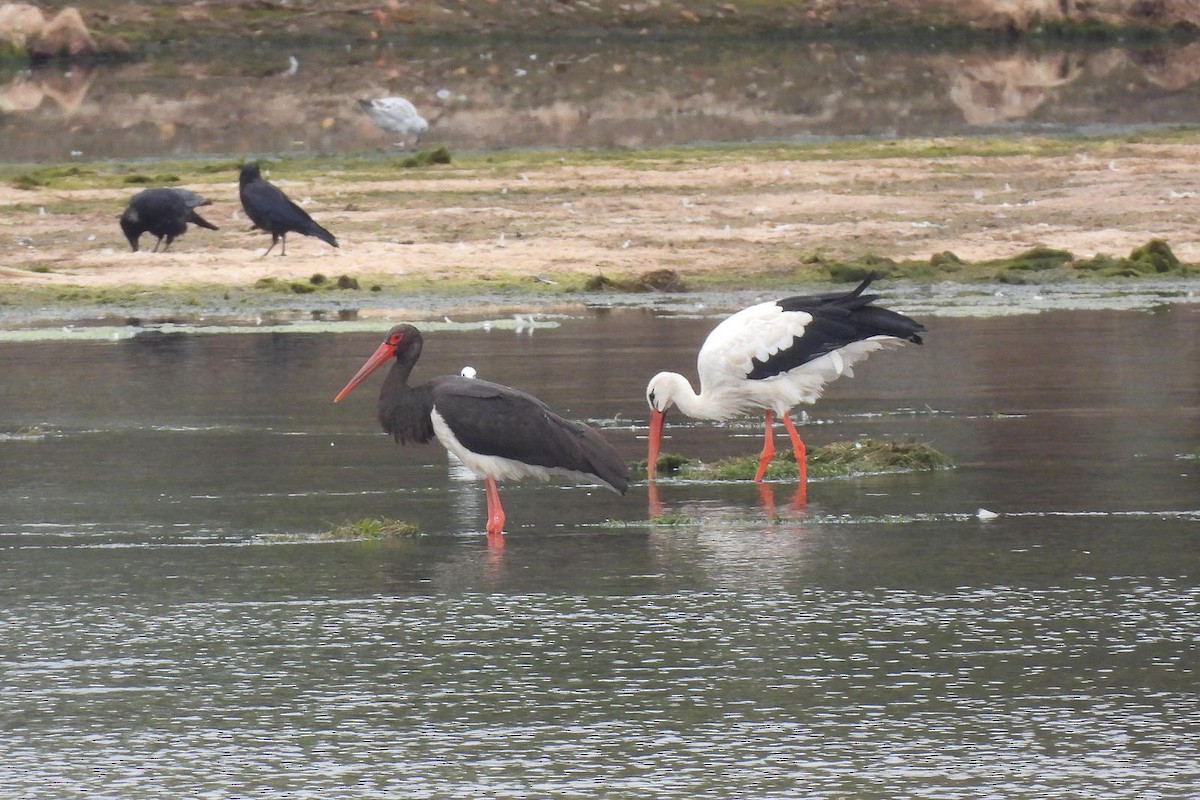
441, 163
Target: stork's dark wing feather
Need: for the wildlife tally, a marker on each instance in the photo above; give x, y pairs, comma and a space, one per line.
837, 320
828, 331
496, 420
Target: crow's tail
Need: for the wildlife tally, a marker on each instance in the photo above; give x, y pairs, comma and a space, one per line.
196, 219
316, 230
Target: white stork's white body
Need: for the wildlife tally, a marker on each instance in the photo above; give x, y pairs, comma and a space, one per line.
757, 333
774, 356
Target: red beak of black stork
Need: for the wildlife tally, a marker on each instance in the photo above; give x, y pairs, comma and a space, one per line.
384, 353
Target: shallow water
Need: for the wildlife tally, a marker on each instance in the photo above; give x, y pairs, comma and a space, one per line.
175, 627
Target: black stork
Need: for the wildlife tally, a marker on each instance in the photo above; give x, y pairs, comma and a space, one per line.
499, 433
775, 355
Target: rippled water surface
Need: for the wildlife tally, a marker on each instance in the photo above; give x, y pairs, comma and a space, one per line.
174, 626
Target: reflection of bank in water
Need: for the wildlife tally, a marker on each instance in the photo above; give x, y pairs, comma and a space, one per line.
66, 89
659, 93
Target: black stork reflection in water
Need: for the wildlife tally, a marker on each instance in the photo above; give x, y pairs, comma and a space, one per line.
776, 355
499, 433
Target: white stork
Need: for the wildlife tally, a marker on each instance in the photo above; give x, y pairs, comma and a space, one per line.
776, 355
396, 115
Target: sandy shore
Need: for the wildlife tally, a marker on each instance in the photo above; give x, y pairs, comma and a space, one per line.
721, 217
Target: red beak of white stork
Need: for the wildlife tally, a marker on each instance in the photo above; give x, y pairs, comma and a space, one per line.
656, 428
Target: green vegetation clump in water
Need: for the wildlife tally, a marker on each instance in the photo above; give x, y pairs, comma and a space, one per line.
835, 460
368, 529
372, 529
668, 464
840, 459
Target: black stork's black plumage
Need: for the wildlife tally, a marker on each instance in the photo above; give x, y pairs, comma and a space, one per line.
497, 432
270, 210
775, 355
164, 213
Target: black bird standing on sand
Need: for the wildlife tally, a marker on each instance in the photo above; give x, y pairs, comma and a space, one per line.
164, 213
271, 210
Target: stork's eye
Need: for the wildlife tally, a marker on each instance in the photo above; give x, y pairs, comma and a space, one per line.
395, 339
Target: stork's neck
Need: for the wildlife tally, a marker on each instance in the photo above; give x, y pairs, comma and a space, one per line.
697, 406
395, 391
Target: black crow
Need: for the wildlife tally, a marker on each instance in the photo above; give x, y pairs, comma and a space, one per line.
164, 213
271, 210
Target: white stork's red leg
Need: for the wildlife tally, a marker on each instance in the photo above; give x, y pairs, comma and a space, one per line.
768, 451
495, 520
766, 496
798, 448
655, 501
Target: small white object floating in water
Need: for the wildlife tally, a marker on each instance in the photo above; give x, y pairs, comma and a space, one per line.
467, 372
396, 115
983, 515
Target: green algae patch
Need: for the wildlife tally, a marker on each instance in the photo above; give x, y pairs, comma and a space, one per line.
373, 529
1038, 265
1153, 258
659, 280
835, 460
669, 465
666, 520
318, 282
871, 456
423, 158
1037, 259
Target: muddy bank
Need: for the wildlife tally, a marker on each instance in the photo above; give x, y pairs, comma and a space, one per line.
603, 92
148, 24
550, 229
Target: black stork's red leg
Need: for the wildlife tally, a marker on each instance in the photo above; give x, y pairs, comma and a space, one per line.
495, 513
